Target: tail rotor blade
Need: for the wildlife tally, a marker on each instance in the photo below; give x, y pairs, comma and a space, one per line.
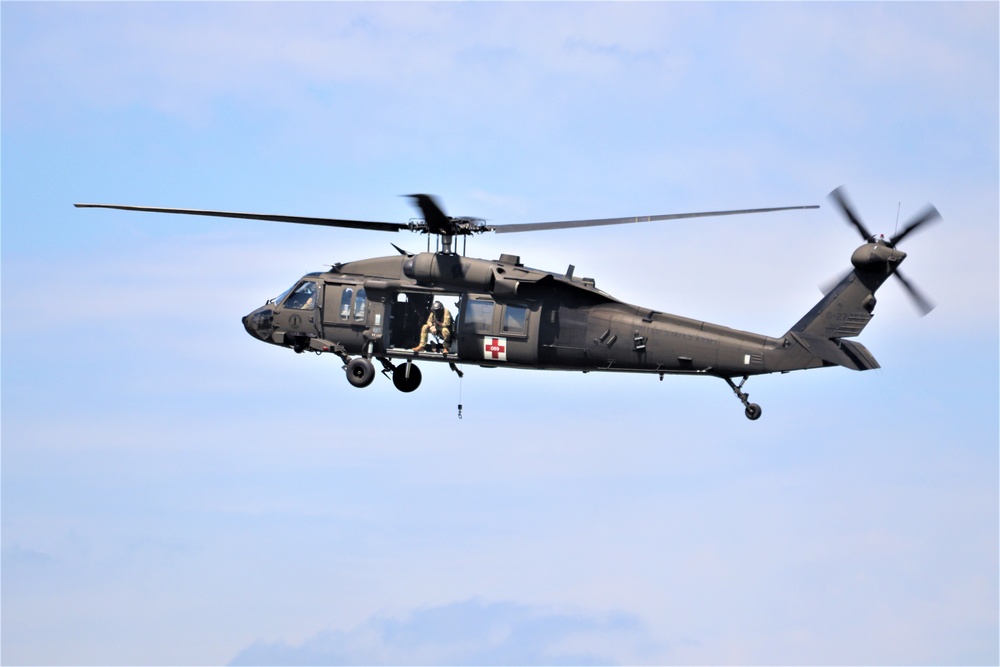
922, 302
840, 197
929, 214
828, 285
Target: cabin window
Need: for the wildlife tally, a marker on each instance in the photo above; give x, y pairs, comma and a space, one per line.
345, 303
515, 319
360, 306
478, 316
303, 298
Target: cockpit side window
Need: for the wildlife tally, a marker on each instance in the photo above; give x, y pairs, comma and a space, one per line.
303, 297
345, 303
360, 306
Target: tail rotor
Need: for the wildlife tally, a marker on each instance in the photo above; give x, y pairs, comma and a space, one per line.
927, 216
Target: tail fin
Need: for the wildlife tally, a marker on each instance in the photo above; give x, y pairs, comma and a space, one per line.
846, 309
843, 312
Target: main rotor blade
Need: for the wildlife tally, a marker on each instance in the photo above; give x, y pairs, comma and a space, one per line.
568, 224
299, 220
437, 221
922, 302
841, 199
929, 214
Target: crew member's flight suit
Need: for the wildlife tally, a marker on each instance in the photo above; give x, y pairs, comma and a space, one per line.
439, 323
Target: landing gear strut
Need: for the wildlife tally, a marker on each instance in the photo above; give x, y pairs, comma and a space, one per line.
753, 410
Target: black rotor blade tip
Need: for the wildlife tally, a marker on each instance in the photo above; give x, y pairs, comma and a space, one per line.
924, 304
840, 197
929, 214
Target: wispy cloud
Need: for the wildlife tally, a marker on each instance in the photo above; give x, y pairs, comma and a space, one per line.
469, 632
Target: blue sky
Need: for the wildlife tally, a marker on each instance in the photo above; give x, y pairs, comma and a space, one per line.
175, 492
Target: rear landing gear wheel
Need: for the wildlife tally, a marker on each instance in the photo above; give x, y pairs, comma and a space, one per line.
360, 372
406, 377
752, 410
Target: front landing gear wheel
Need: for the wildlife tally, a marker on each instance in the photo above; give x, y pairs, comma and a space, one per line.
360, 372
753, 411
406, 377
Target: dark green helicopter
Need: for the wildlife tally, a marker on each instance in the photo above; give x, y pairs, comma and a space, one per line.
393, 309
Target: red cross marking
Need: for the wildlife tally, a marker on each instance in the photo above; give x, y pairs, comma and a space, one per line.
495, 348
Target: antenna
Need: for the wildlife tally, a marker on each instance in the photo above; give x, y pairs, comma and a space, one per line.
898, 204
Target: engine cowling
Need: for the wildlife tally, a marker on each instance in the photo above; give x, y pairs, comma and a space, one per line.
439, 269
505, 280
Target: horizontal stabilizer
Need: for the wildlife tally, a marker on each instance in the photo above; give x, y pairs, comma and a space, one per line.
848, 354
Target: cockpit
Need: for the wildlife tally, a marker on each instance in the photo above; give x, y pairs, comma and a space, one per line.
301, 296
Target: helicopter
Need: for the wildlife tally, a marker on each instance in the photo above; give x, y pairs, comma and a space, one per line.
390, 310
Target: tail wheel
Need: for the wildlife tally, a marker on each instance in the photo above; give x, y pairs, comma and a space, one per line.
752, 410
360, 372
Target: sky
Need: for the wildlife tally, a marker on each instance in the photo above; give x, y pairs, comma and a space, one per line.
174, 492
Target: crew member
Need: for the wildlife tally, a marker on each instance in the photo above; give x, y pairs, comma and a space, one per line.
439, 324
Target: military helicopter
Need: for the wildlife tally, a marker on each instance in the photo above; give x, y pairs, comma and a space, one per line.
383, 310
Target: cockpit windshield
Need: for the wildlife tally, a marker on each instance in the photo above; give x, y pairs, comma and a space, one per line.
302, 297
281, 297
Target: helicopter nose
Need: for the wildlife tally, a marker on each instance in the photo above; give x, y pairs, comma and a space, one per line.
259, 323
